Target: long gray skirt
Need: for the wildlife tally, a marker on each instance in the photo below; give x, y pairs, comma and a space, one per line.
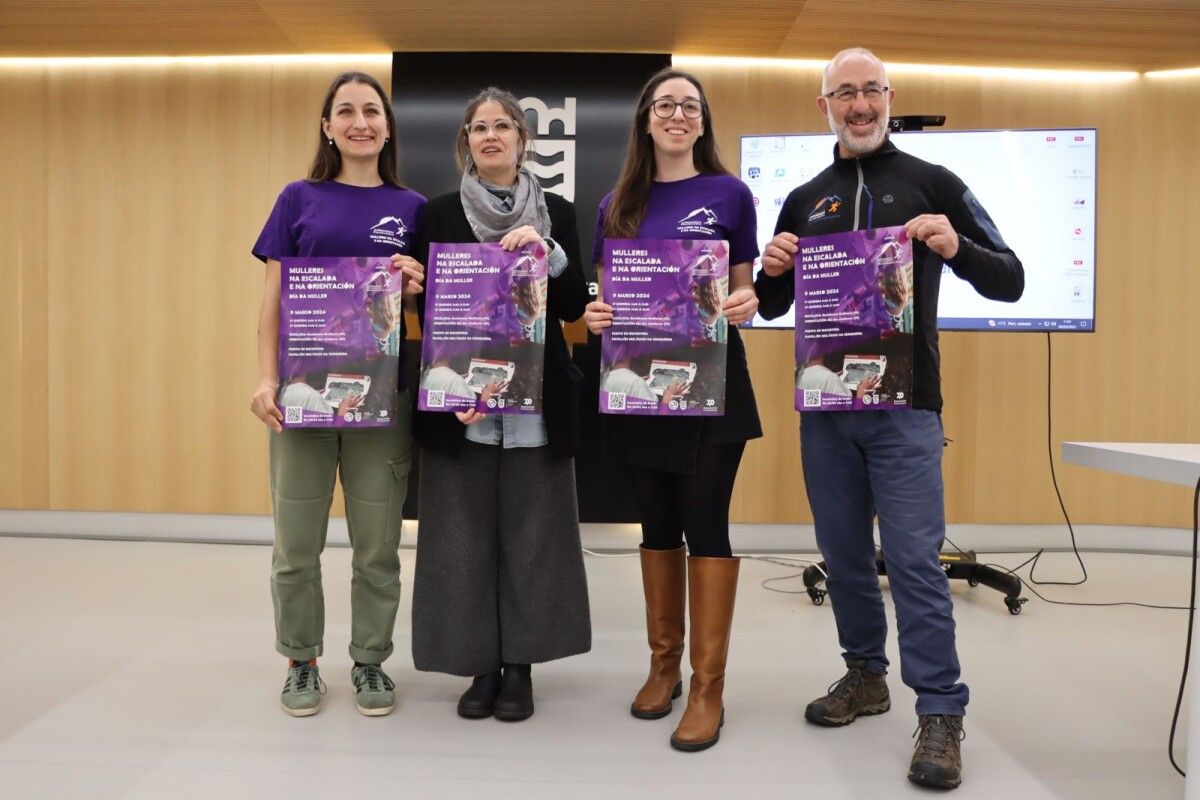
499, 574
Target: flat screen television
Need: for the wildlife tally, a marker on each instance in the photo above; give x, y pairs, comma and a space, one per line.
1039, 186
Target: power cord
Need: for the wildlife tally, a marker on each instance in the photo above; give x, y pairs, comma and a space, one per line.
1027, 585
1187, 653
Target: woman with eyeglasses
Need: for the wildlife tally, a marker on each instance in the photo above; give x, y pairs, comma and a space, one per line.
337, 211
674, 186
500, 581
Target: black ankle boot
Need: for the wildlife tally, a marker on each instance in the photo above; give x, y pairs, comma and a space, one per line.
479, 701
515, 701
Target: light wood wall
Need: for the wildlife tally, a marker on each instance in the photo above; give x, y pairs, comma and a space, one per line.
127, 328
1129, 381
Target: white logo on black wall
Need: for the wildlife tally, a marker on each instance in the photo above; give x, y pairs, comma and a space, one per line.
702, 220
553, 160
389, 230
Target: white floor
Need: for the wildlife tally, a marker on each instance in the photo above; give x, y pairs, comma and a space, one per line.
146, 670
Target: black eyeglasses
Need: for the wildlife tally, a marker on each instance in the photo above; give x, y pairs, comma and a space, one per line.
846, 94
664, 107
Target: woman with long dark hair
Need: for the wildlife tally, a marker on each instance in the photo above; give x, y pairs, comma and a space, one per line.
674, 186
340, 210
500, 583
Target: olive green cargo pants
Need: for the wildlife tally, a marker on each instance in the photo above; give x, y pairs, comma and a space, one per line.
374, 465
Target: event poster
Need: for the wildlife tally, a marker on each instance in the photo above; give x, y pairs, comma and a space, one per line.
339, 341
854, 321
485, 329
665, 351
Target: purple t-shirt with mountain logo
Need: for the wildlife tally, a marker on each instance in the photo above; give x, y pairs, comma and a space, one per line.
700, 207
331, 219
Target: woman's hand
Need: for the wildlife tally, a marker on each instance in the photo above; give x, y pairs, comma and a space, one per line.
470, 417
740, 306
526, 234
597, 316
262, 405
412, 281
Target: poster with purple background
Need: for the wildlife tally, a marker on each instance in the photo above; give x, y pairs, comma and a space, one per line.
854, 321
665, 351
339, 341
484, 337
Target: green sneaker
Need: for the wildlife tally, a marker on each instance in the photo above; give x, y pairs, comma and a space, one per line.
375, 696
301, 696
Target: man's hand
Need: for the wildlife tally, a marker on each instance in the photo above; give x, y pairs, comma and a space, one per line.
780, 255
936, 232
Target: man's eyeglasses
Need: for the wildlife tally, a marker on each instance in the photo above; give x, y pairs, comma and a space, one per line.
500, 126
664, 107
845, 94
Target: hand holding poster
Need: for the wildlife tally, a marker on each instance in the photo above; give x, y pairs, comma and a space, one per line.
339, 341
665, 352
485, 329
854, 321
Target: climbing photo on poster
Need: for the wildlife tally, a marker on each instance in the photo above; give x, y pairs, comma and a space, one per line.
484, 333
665, 351
854, 321
340, 333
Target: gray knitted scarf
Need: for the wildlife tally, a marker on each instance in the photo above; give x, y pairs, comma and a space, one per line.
489, 220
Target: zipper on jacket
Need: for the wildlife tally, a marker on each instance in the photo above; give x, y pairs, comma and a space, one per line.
858, 195
858, 191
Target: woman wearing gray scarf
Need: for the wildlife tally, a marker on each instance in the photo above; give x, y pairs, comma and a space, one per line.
500, 583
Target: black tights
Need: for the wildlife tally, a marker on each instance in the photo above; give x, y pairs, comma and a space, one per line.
672, 506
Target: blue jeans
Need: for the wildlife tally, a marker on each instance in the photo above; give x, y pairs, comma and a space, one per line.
888, 463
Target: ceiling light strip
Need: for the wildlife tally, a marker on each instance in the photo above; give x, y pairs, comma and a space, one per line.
1190, 72
1016, 73
382, 59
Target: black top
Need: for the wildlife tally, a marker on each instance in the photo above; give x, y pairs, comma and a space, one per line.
567, 296
889, 187
672, 444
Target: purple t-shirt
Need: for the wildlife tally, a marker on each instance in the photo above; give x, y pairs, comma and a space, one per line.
330, 219
700, 207
334, 219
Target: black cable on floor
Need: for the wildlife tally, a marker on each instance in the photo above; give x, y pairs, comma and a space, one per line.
1187, 653
1026, 585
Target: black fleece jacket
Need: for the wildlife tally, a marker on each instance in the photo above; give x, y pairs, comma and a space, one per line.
889, 187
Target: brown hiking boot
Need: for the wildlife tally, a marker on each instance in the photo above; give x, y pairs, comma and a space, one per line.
937, 759
859, 693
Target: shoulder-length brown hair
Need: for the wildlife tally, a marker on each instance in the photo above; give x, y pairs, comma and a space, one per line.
508, 101
327, 164
627, 208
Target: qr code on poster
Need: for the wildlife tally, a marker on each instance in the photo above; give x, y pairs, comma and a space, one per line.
812, 398
436, 398
293, 415
616, 401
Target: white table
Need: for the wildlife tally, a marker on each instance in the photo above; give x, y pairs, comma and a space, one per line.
1169, 463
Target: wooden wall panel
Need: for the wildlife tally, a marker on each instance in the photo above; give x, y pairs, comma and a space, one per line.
1122, 383
157, 181
23, 333
132, 301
